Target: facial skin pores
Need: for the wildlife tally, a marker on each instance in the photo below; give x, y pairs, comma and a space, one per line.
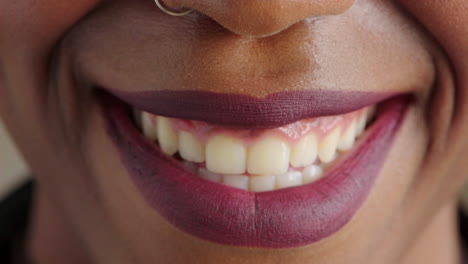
236, 134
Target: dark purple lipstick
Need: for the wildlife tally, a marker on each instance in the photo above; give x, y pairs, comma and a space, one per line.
247, 112
289, 217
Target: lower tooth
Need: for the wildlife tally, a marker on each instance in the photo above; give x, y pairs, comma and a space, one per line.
237, 181
289, 179
311, 173
208, 175
262, 183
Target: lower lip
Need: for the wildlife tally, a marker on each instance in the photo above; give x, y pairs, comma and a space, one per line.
284, 218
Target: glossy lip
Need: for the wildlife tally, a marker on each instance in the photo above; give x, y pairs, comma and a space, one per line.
284, 218
246, 112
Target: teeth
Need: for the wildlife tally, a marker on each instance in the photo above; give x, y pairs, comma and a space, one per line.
167, 136
148, 127
269, 156
190, 148
262, 183
347, 139
361, 125
237, 181
311, 173
257, 164
305, 151
289, 179
327, 148
226, 155
208, 175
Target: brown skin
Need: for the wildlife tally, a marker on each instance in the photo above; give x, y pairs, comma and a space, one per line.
87, 205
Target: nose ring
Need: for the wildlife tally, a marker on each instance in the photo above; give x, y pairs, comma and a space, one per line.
172, 13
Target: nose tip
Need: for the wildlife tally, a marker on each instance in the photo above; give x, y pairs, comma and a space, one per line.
259, 18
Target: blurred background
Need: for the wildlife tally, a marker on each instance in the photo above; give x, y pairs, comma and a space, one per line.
13, 170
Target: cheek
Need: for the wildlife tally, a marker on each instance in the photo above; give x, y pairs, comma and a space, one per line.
38, 23
446, 21
29, 30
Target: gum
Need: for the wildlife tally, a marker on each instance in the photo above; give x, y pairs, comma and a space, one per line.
291, 133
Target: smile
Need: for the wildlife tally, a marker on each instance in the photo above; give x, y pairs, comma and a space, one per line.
229, 170
256, 159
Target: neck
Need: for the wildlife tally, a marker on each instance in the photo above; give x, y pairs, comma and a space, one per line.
51, 239
439, 243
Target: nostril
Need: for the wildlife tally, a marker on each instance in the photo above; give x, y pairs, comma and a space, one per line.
259, 18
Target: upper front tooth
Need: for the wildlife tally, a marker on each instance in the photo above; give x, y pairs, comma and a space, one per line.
167, 137
327, 148
190, 148
347, 139
225, 154
305, 151
361, 124
148, 127
269, 155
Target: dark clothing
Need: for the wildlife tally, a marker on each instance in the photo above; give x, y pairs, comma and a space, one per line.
14, 216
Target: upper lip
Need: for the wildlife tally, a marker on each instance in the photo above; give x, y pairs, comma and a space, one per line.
247, 112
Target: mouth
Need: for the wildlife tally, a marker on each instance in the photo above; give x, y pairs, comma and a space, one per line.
241, 171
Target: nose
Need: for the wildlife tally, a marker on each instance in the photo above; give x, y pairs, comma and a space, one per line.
259, 18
